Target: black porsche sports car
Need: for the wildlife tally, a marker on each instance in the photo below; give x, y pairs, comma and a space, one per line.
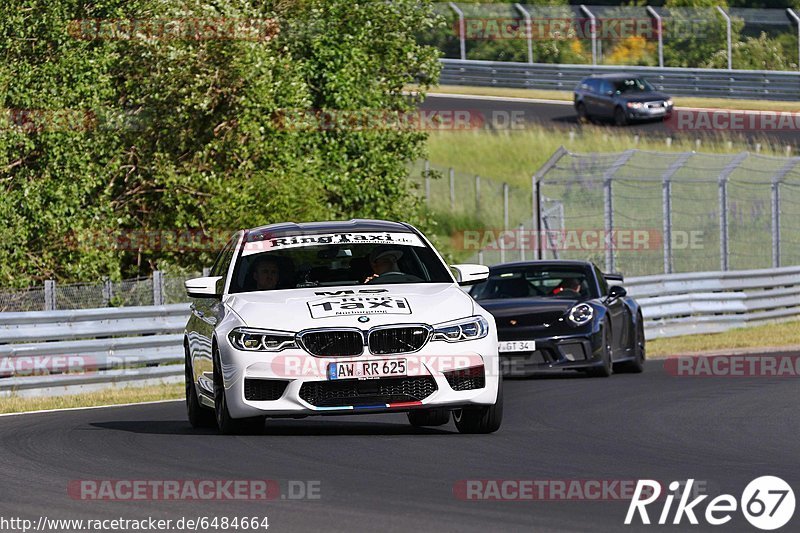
562, 315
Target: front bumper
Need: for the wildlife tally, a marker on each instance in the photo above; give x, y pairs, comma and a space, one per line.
295, 383
557, 353
648, 113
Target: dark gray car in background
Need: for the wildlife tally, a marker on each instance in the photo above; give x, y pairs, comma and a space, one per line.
621, 97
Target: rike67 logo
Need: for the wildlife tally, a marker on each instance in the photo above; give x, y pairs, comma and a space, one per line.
767, 503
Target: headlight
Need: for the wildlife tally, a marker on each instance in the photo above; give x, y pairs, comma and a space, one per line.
259, 340
668, 103
467, 329
581, 314
635, 105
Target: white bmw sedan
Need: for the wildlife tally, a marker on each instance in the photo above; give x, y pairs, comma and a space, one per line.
339, 318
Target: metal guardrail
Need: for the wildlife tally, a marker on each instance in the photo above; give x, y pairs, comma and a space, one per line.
719, 83
92, 349
66, 352
711, 302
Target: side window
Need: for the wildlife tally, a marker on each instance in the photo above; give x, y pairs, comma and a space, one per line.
605, 87
594, 86
601, 280
220, 267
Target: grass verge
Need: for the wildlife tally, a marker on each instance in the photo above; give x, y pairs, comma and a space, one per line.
17, 404
680, 101
513, 156
784, 334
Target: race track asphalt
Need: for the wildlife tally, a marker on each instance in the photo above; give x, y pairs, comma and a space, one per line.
495, 112
377, 473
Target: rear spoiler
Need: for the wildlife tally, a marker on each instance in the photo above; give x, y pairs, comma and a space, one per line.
614, 276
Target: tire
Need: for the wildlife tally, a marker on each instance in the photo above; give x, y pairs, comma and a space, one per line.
225, 423
620, 118
637, 365
607, 368
199, 415
481, 419
429, 417
583, 116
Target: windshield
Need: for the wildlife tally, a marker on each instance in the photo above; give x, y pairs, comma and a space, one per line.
336, 259
535, 282
633, 85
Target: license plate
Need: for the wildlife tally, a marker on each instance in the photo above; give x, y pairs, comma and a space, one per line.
517, 346
367, 369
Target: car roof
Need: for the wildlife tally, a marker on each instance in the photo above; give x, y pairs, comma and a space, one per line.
615, 76
288, 229
549, 262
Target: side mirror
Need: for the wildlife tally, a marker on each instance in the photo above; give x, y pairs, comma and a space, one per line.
209, 287
615, 292
470, 274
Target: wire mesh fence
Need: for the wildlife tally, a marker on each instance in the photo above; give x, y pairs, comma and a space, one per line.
157, 290
679, 212
639, 212
709, 37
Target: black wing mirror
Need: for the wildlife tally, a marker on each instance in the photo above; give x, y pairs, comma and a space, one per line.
615, 292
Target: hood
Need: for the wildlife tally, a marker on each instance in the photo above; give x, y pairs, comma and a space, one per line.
319, 307
644, 97
528, 311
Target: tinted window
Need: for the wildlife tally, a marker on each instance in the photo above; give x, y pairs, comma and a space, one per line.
220, 267
310, 261
601, 280
605, 87
632, 85
538, 281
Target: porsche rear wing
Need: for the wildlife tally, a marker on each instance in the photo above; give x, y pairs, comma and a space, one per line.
614, 276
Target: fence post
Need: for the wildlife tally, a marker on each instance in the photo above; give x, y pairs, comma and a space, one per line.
776, 210
49, 295
666, 181
667, 201
505, 223
452, 189
724, 252
796, 19
728, 26
158, 287
593, 31
427, 182
206, 271
478, 194
723, 223
660, 30
107, 292
521, 240
608, 223
462, 30
608, 176
528, 30
776, 223
537, 219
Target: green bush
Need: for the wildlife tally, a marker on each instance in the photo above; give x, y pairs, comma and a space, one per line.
150, 134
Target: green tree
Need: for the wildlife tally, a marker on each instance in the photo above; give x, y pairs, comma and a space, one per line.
185, 133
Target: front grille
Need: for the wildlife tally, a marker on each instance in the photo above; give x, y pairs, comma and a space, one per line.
367, 392
333, 343
467, 378
398, 340
263, 390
